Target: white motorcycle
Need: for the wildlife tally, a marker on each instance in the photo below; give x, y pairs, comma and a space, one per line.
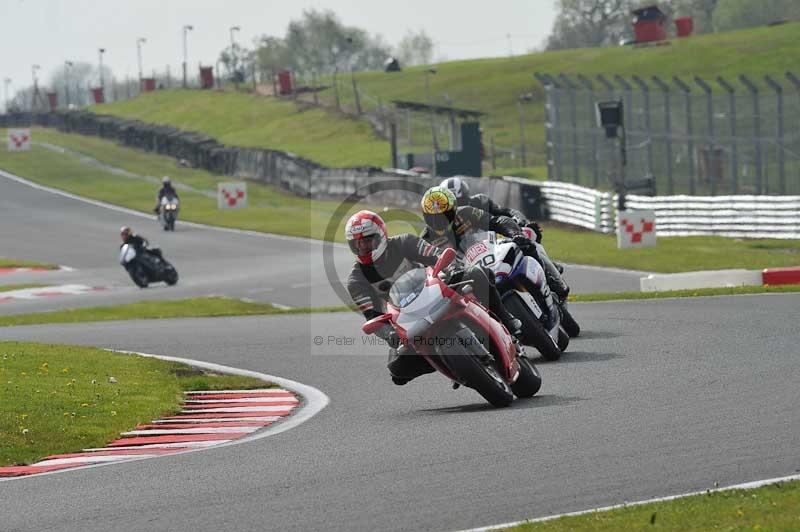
168, 212
523, 286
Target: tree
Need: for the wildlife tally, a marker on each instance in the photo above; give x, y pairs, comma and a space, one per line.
415, 48
271, 54
589, 23
238, 61
739, 14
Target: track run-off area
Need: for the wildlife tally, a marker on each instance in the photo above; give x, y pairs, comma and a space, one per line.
655, 398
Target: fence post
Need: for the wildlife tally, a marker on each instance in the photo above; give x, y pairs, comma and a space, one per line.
628, 89
781, 153
355, 93
393, 142
548, 123
687, 92
756, 128
492, 153
667, 130
732, 130
573, 120
647, 125
556, 91
710, 121
587, 83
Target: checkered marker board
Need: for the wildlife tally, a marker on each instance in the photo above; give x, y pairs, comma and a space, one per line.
231, 195
636, 229
19, 140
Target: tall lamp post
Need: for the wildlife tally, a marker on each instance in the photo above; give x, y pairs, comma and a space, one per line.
186, 30
429, 71
100, 52
523, 98
35, 94
233, 55
67, 65
139, 42
6, 83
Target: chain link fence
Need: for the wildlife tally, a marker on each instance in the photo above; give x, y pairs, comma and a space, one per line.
691, 136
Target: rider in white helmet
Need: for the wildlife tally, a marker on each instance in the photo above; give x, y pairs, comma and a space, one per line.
166, 191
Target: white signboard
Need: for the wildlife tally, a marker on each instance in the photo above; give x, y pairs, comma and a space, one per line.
636, 229
231, 195
19, 140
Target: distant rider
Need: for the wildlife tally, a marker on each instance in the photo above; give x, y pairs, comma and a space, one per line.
166, 191
460, 189
380, 261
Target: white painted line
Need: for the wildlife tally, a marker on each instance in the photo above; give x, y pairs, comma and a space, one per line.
239, 410
313, 402
220, 392
192, 444
212, 430
745, 486
243, 400
91, 459
267, 419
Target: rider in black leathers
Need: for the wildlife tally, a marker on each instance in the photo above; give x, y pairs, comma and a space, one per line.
166, 191
139, 243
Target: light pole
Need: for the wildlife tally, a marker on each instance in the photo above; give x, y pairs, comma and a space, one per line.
523, 98
100, 52
429, 71
139, 42
186, 29
233, 54
6, 83
67, 65
35, 94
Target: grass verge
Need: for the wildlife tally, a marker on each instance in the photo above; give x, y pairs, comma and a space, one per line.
697, 292
12, 287
201, 307
773, 507
274, 211
16, 263
59, 398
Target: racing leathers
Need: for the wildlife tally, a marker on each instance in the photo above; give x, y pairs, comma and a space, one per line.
369, 285
140, 244
552, 272
166, 191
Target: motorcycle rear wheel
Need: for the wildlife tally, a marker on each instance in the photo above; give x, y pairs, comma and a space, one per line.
568, 322
529, 381
533, 332
464, 360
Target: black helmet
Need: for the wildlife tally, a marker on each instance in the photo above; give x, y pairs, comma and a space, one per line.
459, 187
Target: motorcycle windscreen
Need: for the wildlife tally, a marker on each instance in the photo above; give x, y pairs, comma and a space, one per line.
126, 254
407, 287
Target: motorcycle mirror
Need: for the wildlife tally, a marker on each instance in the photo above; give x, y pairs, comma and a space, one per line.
375, 323
444, 260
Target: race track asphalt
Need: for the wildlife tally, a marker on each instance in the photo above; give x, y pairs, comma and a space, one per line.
656, 398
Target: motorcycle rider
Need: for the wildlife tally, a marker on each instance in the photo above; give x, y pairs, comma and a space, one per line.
380, 261
139, 243
166, 191
460, 189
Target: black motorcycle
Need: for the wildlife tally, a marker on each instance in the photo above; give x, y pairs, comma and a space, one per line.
147, 266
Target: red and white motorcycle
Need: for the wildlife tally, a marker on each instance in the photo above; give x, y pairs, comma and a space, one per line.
457, 335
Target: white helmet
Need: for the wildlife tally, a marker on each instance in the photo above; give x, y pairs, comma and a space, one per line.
459, 188
366, 235
165, 180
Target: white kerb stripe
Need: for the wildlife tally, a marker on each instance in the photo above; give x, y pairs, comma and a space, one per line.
91, 459
241, 409
263, 419
197, 444
245, 400
215, 430
220, 392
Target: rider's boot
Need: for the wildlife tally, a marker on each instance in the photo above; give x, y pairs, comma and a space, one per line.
554, 280
405, 365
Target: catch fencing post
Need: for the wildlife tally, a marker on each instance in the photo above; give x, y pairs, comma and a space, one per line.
687, 92
732, 127
756, 129
665, 91
587, 83
710, 152
781, 153
647, 124
573, 120
548, 124
628, 95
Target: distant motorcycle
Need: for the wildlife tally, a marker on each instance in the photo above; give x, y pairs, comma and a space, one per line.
168, 212
522, 285
147, 267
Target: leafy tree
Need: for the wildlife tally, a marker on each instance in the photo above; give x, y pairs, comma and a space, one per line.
415, 48
589, 23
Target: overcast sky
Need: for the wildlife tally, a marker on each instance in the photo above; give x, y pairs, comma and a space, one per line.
48, 32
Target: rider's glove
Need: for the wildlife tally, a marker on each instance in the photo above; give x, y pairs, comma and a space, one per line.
523, 242
538, 230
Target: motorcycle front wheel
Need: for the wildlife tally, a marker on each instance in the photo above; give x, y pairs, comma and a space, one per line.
533, 332
529, 381
139, 276
462, 354
569, 324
